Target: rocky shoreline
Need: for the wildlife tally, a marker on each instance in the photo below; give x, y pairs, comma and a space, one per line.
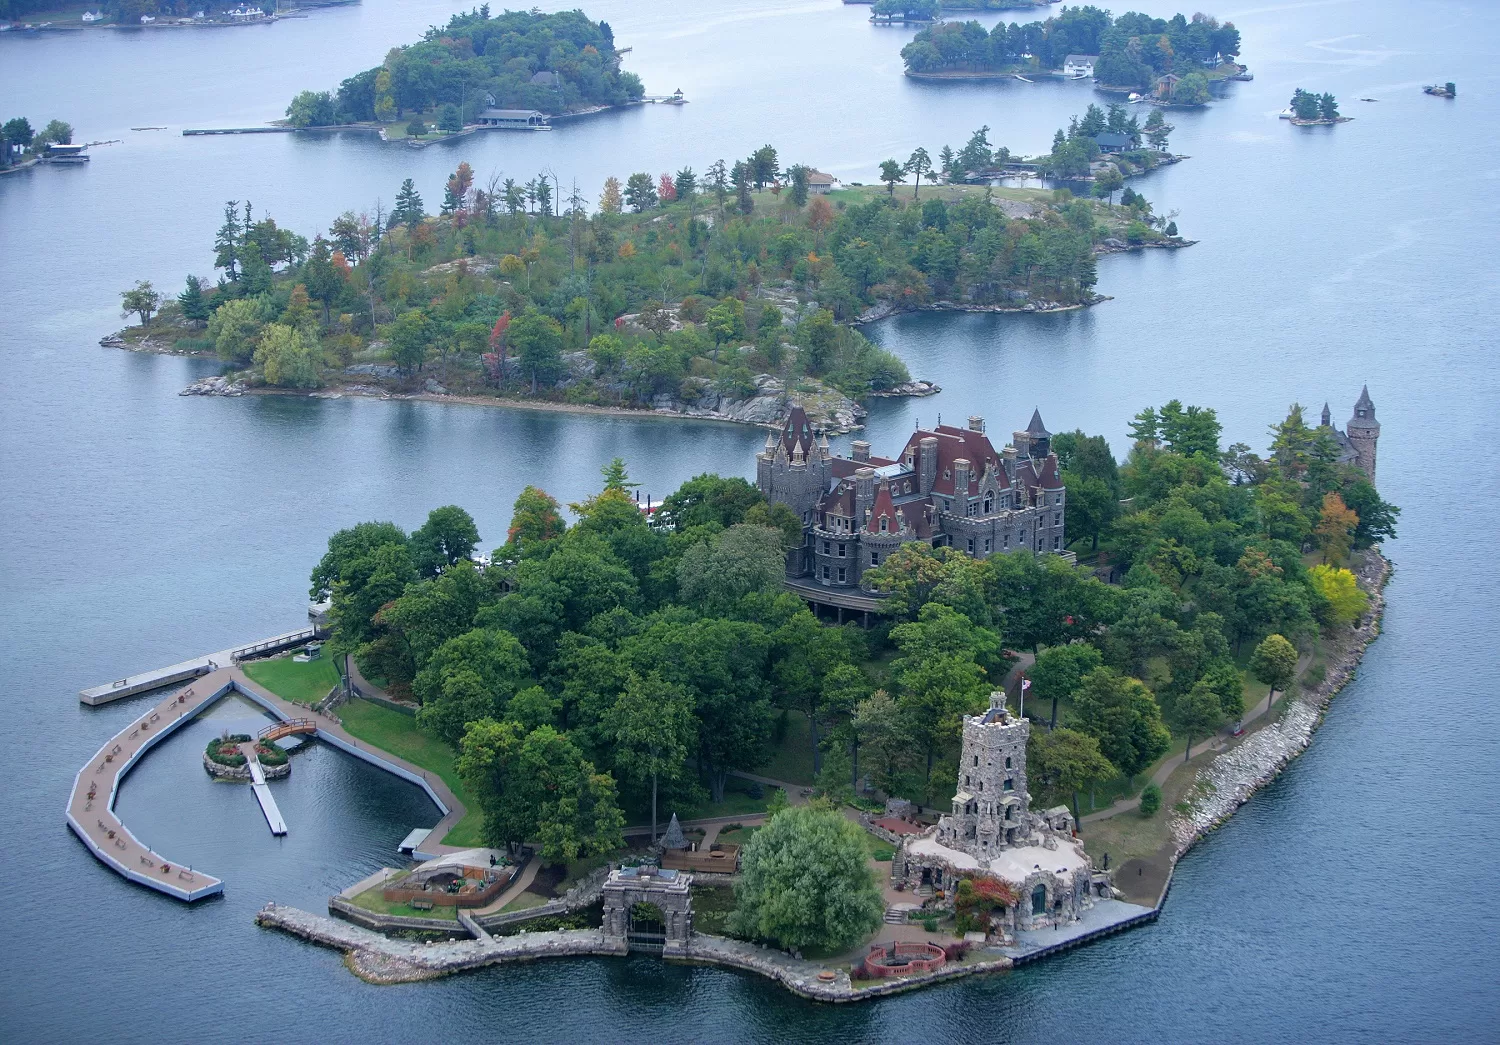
833, 411
1230, 780
887, 309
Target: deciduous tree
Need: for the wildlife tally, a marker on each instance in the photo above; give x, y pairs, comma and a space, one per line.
805, 881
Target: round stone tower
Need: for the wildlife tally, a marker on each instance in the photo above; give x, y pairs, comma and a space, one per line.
1364, 433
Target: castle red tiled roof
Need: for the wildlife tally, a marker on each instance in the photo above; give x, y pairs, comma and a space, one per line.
883, 509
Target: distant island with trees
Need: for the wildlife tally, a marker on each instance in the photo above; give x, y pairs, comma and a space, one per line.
686, 290
137, 14
1174, 58
552, 63
1308, 109
928, 10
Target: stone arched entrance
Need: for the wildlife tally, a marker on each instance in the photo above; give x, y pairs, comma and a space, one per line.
648, 909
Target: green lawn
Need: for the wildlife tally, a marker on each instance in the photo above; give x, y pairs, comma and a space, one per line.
398, 733
738, 835
524, 902
736, 803
372, 900
304, 683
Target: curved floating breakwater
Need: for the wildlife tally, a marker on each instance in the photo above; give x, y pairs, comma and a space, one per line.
91, 806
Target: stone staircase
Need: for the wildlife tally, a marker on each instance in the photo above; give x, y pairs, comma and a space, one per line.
894, 917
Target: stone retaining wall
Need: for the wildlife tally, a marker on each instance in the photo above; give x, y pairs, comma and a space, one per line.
377, 959
1231, 778
224, 772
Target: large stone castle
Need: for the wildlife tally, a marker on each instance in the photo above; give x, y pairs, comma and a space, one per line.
948, 487
1358, 442
992, 833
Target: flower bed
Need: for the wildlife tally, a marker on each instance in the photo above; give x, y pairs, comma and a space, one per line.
271, 753
225, 750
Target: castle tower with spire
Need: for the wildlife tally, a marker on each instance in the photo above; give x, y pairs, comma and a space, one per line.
1363, 433
795, 468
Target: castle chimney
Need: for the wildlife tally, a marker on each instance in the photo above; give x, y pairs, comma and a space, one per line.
860, 450
927, 462
1022, 442
864, 494
961, 478
976, 424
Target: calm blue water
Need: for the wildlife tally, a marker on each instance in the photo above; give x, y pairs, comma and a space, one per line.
1351, 901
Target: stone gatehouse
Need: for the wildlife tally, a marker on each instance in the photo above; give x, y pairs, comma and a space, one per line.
648, 909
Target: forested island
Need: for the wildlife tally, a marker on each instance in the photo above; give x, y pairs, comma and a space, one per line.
738, 286
552, 63
134, 14
21, 144
1176, 58
624, 665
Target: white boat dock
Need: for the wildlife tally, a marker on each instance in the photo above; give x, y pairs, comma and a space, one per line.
189, 669
263, 796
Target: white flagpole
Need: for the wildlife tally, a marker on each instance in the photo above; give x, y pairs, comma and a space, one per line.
1025, 685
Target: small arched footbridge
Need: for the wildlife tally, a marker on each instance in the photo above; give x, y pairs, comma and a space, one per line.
290, 728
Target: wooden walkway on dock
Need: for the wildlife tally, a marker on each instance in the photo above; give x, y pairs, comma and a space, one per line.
91, 806
189, 669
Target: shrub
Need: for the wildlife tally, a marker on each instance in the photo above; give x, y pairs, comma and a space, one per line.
929, 924
1313, 677
1150, 800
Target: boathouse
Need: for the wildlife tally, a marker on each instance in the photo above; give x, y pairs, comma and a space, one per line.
518, 119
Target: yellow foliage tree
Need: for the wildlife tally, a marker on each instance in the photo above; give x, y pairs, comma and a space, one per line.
1335, 529
1346, 601
612, 198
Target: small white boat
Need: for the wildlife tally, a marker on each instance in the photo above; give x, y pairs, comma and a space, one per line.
1135, 96
1286, 114
1023, 79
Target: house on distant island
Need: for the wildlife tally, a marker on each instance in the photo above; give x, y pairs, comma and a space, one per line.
1032, 863
1165, 85
544, 78
948, 487
1109, 142
1076, 65
93, 16
820, 184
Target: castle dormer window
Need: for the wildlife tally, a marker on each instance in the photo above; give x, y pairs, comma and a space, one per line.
884, 523
947, 473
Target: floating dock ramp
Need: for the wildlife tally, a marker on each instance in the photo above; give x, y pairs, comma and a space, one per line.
263, 796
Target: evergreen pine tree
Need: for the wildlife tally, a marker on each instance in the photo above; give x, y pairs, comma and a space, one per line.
194, 307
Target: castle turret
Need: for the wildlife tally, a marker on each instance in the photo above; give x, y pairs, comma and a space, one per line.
1364, 433
1327, 421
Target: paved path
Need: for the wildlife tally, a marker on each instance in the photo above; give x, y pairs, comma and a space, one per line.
1215, 743
514, 889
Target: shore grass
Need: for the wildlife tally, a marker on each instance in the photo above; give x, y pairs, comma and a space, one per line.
399, 734
373, 900
305, 683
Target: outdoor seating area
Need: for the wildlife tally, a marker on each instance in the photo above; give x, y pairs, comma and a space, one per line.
718, 858
470, 878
